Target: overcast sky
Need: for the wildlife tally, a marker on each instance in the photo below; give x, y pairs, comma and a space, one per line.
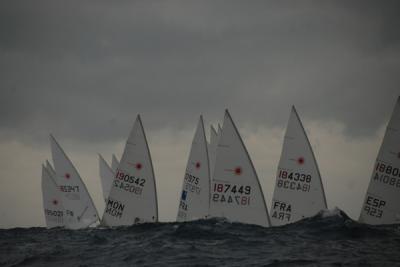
83, 70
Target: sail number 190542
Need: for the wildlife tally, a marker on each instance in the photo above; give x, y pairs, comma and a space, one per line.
129, 183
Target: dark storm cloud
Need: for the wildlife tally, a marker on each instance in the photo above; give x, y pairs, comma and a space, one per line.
84, 70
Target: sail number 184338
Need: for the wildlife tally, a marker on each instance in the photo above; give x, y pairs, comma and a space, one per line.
294, 181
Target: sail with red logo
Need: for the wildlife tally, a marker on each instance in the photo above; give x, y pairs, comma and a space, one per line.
133, 196
299, 192
381, 203
79, 209
194, 199
52, 205
236, 193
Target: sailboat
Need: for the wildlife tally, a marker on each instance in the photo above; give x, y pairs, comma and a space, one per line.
80, 211
106, 177
195, 197
133, 196
212, 148
382, 200
52, 205
236, 193
299, 192
114, 163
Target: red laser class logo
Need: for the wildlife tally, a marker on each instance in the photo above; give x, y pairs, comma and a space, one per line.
138, 166
238, 171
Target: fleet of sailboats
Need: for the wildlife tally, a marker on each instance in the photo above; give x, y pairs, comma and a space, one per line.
219, 181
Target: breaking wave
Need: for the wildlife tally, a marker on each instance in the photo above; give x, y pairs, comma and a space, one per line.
330, 238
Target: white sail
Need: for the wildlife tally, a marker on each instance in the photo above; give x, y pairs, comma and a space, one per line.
236, 193
133, 196
114, 163
106, 177
80, 211
52, 205
212, 148
195, 197
299, 192
219, 131
382, 200
51, 170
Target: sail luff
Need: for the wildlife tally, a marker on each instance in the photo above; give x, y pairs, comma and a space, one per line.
151, 165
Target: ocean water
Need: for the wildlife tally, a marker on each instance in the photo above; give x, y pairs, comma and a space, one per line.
327, 239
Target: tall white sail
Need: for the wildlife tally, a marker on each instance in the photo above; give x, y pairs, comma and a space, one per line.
106, 177
382, 200
80, 211
133, 196
212, 148
114, 163
195, 197
299, 192
236, 193
52, 205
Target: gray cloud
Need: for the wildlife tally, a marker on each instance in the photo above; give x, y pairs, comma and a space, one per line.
85, 70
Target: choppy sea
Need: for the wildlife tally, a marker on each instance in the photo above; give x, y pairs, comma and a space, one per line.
330, 238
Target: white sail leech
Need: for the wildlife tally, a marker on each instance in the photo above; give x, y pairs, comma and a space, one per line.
195, 196
382, 200
212, 148
51, 170
80, 211
106, 177
114, 163
133, 196
299, 191
52, 205
236, 193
